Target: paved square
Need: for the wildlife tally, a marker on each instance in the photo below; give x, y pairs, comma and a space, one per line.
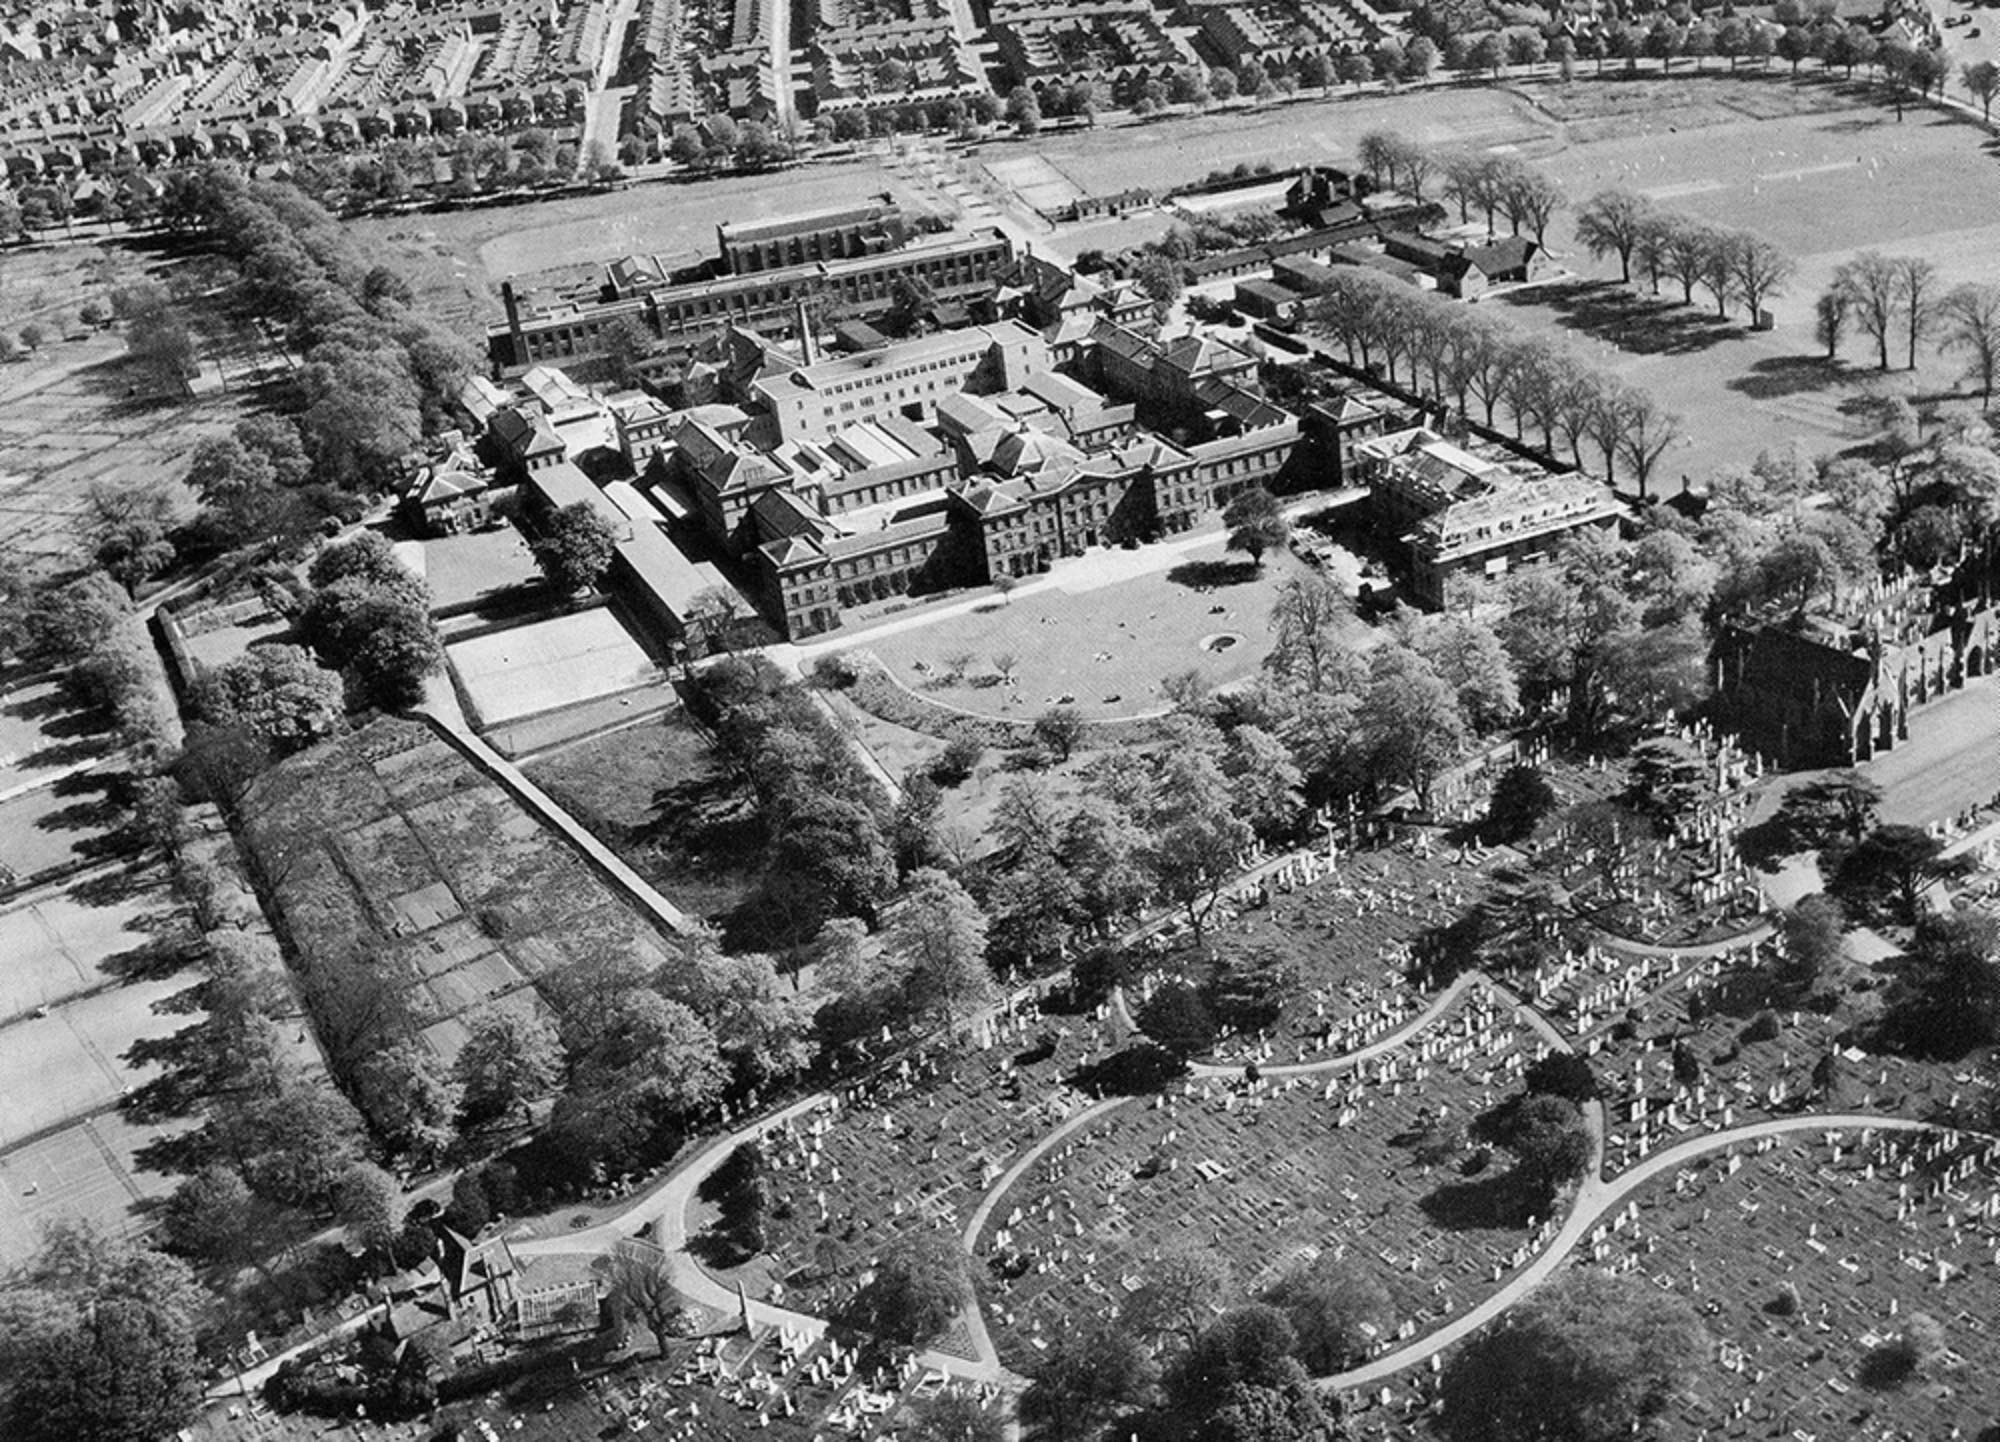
549, 664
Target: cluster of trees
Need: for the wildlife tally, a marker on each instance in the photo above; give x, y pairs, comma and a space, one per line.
369, 616
720, 143
1497, 186
1891, 298
1455, 357
1730, 264
256, 485
377, 374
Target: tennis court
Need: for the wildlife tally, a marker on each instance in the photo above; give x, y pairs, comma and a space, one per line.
529, 669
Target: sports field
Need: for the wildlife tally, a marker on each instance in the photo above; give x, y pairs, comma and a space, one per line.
529, 669
52, 945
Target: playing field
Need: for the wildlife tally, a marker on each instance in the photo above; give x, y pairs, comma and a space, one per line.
51, 946
85, 1171
539, 667
43, 736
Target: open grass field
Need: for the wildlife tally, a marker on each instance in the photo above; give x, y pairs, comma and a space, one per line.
56, 825
477, 566
43, 736
549, 664
53, 945
1098, 635
71, 1062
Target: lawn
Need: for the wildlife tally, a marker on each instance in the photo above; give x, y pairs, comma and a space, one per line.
547, 665
1099, 635
654, 794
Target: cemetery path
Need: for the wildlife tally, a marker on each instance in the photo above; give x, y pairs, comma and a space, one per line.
1693, 951
1594, 1200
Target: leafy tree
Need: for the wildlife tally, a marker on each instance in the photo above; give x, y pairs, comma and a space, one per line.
1562, 1074
1033, 906
1944, 998
1282, 1413
1982, 79
276, 692
1411, 720
575, 547
399, 647
1059, 728
126, 529
1588, 1356
1612, 223
1550, 1143
645, 1286
411, 1099
368, 1202
1521, 798
508, 1061
920, 1287
1269, 786
212, 1218
1178, 1019
293, 1143
1086, 1378
1310, 618
1811, 933
1179, 1293
1969, 317
1024, 110
100, 1343
938, 937
1256, 524
1887, 870
1336, 1310
1250, 1346
1195, 835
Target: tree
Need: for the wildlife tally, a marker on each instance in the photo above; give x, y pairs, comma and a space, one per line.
1611, 223
1410, 720
410, 1098
119, 1367
1887, 871
1269, 786
1310, 617
1256, 524
1550, 1143
1178, 1019
399, 647
1195, 835
1758, 269
938, 935
1588, 1356
1086, 1378
1247, 1347
1336, 1310
212, 1218
1830, 315
1869, 287
1178, 1295
644, 1286
1811, 934
162, 345
1969, 317
1944, 998
920, 1287
1024, 111
510, 1059
575, 547
1646, 433
1530, 199
1059, 728
277, 692
1982, 79
126, 529
368, 1203
1521, 798
1916, 285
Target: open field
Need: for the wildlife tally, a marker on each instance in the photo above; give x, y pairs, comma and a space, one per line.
654, 794
549, 664
53, 945
473, 567
42, 735
1951, 761
70, 1063
56, 825
1101, 645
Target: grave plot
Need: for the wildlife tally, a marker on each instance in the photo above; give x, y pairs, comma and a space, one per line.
1270, 1175
916, 1147
1345, 934
1809, 1261
1691, 1066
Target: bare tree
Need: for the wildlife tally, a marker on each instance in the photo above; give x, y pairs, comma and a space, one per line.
643, 1284
1916, 293
1969, 317
1649, 431
1530, 199
1761, 270
1830, 313
1612, 222
1688, 246
1870, 287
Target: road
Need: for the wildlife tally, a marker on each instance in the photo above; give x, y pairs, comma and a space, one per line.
778, 22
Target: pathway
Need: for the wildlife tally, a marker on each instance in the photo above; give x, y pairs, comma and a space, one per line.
638, 890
